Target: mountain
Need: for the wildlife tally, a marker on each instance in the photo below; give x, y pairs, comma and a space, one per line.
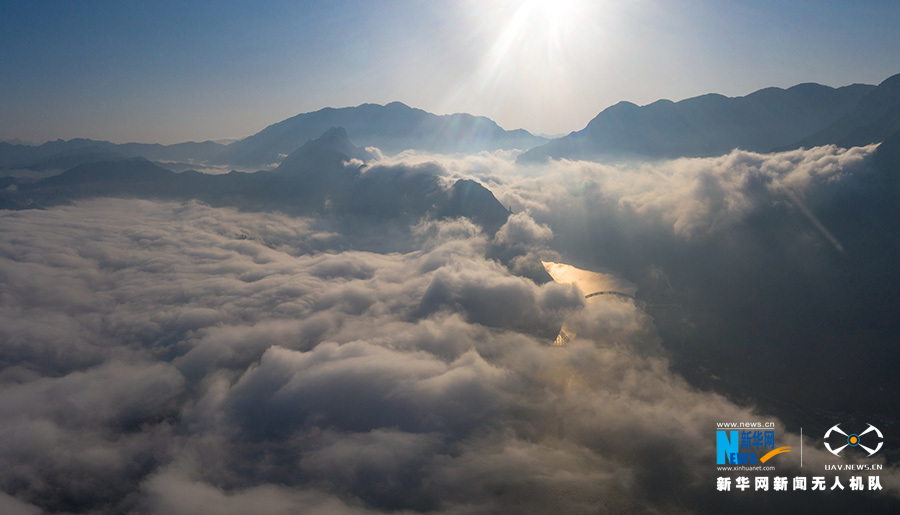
61, 154
15, 141
887, 161
65, 161
325, 175
392, 128
706, 125
329, 151
875, 118
887, 155
331, 180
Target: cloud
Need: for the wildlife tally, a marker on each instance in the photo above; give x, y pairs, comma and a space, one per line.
521, 229
175, 493
691, 196
13, 506
177, 358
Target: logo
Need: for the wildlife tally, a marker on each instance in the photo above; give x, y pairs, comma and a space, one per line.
852, 440
746, 447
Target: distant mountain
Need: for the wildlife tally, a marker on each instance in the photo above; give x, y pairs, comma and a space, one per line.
332, 149
65, 161
392, 128
325, 175
873, 119
15, 141
706, 125
61, 154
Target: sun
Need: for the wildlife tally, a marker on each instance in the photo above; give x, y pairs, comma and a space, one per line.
532, 53
545, 19
558, 13
537, 29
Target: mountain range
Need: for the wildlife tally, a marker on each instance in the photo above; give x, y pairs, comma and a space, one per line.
325, 171
62, 154
392, 128
766, 120
326, 175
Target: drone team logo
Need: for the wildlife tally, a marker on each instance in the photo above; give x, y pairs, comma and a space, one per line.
851, 440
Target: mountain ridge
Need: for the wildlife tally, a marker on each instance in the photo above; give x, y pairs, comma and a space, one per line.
320, 177
875, 118
78, 150
705, 125
766, 120
392, 128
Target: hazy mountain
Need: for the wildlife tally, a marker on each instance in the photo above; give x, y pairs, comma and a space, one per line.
15, 141
332, 149
875, 117
321, 176
61, 154
392, 128
707, 125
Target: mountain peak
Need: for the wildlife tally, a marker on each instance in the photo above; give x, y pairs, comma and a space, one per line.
325, 154
621, 106
337, 140
892, 82
335, 136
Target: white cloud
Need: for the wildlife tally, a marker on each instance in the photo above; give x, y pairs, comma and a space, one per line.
202, 359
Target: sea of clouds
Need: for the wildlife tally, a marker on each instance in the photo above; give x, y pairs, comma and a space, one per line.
172, 357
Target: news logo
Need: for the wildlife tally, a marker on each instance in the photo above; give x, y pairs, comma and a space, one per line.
746, 445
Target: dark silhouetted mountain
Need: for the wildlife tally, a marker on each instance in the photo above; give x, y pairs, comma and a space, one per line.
887, 159
328, 152
706, 125
130, 177
132, 173
65, 161
61, 154
470, 197
326, 175
875, 117
15, 141
392, 128
327, 178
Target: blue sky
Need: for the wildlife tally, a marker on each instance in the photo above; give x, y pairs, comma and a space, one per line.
176, 71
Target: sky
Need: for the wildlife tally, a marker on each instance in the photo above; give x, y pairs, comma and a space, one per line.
166, 72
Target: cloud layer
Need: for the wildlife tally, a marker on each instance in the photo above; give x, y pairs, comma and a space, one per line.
776, 258
176, 358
